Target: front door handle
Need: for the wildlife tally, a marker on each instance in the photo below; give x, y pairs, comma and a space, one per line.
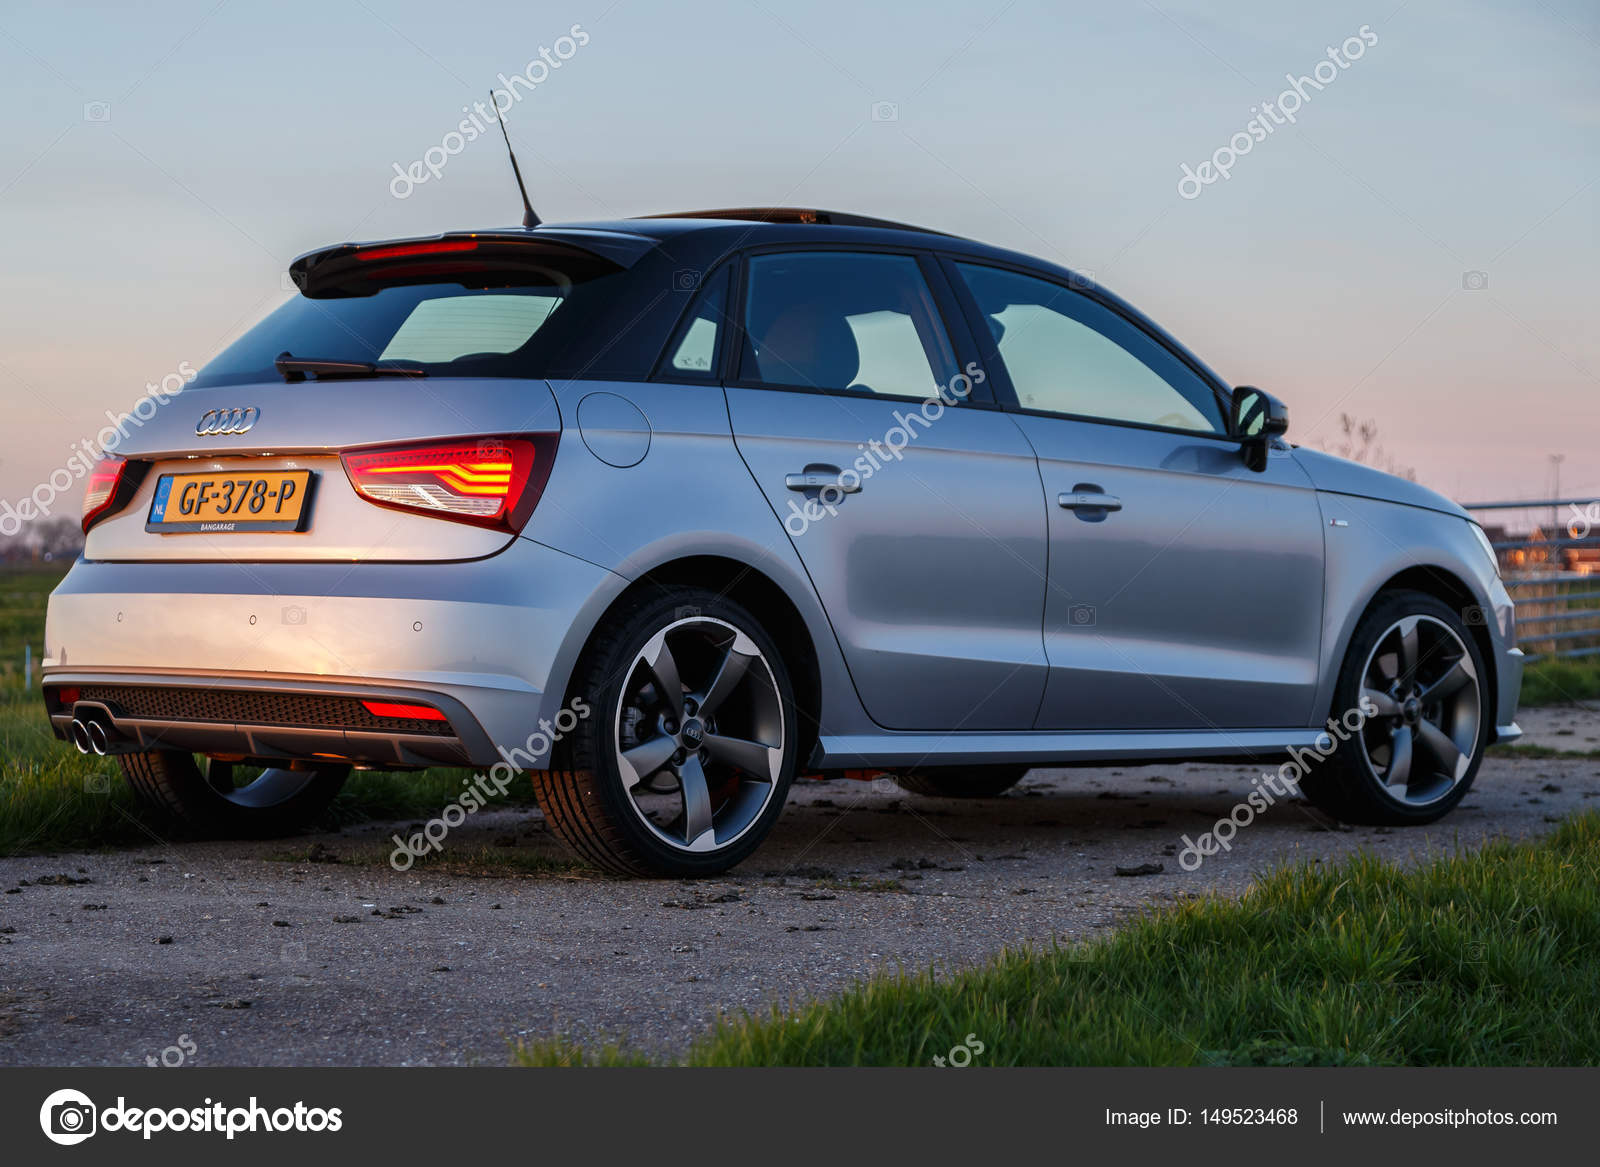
822, 477
1089, 500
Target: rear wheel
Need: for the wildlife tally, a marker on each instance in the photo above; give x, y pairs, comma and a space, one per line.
231, 800
685, 764
1418, 679
961, 781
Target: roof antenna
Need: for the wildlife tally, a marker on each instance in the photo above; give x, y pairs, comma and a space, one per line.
529, 219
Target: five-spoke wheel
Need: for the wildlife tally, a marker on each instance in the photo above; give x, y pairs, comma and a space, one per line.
686, 763
1420, 688
230, 799
699, 734
1417, 677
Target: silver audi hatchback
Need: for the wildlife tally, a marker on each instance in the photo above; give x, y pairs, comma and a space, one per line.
666, 510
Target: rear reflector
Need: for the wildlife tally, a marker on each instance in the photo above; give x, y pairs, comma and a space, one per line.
490, 482
67, 697
101, 493
403, 712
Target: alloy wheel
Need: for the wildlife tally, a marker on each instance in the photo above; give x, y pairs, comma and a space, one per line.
1427, 703
255, 787
699, 734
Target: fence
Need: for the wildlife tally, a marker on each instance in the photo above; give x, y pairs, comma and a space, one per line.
1558, 609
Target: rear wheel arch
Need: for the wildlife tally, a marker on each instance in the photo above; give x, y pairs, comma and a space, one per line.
764, 598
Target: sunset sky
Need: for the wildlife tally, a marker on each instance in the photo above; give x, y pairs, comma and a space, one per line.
162, 164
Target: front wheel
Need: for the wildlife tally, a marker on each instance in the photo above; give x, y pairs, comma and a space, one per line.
225, 800
685, 764
1414, 683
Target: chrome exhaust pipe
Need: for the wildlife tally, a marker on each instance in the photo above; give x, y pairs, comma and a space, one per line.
99, 740
79, 733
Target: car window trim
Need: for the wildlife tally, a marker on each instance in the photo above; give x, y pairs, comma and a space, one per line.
957, 332
1006, 391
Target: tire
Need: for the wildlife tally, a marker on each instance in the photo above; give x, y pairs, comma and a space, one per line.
961, 781
272, 802
1421, 738
616, 791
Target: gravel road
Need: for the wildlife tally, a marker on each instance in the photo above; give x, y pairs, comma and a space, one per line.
313, 951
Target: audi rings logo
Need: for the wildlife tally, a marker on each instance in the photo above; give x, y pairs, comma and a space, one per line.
227, 421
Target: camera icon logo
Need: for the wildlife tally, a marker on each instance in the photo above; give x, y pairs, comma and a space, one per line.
96, 784
1474, 281
885, 111
1081, 615
294, 614
1474, 616
685, 279
292, 953
97, 111
67, 1117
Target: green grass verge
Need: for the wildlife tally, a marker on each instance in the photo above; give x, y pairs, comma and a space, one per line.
52, 798
1476, 959
1555, 682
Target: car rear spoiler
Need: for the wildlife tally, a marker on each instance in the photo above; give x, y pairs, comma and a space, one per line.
359, 269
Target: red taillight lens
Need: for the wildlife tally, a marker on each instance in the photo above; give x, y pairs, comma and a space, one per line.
101, 494
403, 712
490, 482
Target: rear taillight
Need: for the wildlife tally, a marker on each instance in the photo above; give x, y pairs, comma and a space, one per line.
104, 489
490, 482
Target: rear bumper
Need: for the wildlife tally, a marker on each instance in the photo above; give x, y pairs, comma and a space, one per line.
267, 717
480, 641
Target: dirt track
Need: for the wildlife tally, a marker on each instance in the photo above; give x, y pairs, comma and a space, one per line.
255, 958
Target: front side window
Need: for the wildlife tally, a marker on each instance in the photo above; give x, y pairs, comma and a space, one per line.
845, 322
1067, 354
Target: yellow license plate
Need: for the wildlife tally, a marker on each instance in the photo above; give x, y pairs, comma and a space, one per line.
217, 502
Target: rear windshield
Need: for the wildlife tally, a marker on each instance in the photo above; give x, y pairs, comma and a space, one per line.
448, 329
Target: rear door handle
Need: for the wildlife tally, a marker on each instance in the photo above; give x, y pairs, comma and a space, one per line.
1089, 500
821, 477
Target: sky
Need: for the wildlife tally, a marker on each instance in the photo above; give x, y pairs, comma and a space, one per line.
1417, 248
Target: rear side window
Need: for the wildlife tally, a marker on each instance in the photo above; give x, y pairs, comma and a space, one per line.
511, 329
844, 321
1067, 354
694, 350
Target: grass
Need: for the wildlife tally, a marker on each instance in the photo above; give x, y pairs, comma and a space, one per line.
1485, 958
54, 799
1554, 681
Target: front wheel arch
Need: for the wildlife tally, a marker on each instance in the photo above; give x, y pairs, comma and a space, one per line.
1448, 588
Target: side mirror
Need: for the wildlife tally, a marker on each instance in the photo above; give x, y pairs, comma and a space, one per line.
1255, 418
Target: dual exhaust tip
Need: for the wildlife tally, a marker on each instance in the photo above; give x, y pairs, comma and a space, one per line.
93, 736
